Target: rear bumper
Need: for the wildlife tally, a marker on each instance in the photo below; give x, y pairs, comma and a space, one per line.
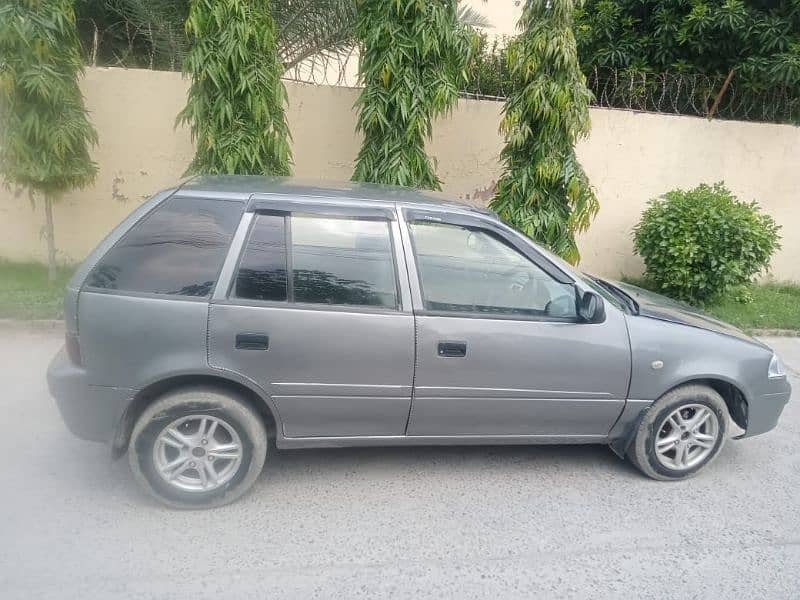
764, 411
90, 412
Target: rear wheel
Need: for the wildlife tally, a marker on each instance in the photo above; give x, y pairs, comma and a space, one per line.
681, 433
197, 448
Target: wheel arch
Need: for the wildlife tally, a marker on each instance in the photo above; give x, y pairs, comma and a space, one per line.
731, 393
255, 398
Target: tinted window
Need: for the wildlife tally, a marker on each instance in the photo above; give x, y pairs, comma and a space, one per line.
176, 249
262, 271
471, 270
342, 261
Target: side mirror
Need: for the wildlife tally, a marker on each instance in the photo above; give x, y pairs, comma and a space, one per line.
591, 308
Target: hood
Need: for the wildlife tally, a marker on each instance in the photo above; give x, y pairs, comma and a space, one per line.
660, 307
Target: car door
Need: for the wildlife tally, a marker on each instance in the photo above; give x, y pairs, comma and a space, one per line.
500, 348
315, 313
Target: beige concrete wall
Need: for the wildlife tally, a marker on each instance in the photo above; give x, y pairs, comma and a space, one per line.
630, 157
503, 15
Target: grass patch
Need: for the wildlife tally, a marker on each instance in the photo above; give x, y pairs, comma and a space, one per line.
773, 306
25, 292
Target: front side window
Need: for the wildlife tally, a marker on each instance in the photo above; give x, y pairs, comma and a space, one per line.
177, 249
471, 270
330, 260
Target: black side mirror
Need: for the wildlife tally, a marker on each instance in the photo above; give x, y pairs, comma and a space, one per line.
591, 308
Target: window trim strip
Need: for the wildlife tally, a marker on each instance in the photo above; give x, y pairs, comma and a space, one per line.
287, 240
367, 213
230, 267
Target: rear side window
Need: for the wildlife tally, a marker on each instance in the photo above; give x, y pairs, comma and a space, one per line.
177, 249
330, 260
342, 261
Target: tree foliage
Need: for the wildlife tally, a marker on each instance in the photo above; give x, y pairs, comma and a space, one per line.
413, 56
544, 191
759, 39
700, 244
150, 33
236, 100
47, 133
46, 130
487, 72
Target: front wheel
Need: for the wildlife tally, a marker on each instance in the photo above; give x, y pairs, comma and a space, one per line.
197, 448
681, 433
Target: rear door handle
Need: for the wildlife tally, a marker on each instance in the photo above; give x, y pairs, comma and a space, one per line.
452, 349
252, 341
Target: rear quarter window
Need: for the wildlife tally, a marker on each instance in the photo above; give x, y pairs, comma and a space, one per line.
177, 249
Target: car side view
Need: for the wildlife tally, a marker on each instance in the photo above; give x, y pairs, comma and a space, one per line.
232, 311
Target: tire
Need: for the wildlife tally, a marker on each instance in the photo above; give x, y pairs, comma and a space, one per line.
215, 466
667, 429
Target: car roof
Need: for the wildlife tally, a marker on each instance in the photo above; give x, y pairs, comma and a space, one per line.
246, 186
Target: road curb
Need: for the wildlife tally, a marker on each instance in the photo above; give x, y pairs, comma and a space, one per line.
774, 332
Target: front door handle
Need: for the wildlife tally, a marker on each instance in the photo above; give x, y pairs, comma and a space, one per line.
252, 341
452, 349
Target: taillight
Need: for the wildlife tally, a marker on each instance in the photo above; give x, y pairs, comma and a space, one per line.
73, 347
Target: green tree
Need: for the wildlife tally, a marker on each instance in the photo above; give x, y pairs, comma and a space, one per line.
758, 39
413, 56
46, 130
236, 101
544, 191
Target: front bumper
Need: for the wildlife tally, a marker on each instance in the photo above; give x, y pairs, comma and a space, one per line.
763, 411
90, 412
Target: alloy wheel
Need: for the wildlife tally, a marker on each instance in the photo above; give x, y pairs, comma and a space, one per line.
197, 453
687, 437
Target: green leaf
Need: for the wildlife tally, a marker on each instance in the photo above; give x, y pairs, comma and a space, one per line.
238, 122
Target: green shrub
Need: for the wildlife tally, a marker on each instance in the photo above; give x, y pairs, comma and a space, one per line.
487, 72
701, 244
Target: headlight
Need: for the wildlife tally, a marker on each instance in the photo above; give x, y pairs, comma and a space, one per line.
775, 370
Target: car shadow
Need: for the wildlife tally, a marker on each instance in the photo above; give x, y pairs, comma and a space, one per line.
93, 473
432, 459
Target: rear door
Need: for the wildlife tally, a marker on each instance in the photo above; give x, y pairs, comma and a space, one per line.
317, 314
500, 348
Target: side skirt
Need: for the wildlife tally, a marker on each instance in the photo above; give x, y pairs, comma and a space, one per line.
436, 440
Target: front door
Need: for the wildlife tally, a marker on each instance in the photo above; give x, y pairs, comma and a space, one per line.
500, 348
314, 316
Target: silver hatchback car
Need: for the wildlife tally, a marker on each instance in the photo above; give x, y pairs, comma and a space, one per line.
231, 311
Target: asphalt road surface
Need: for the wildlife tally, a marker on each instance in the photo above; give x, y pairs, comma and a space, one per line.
496, 522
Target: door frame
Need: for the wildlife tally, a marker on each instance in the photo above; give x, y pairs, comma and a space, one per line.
223, 294
408, 215
288, 205
512, 238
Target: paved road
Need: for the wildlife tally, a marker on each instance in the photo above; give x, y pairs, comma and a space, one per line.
509, 522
